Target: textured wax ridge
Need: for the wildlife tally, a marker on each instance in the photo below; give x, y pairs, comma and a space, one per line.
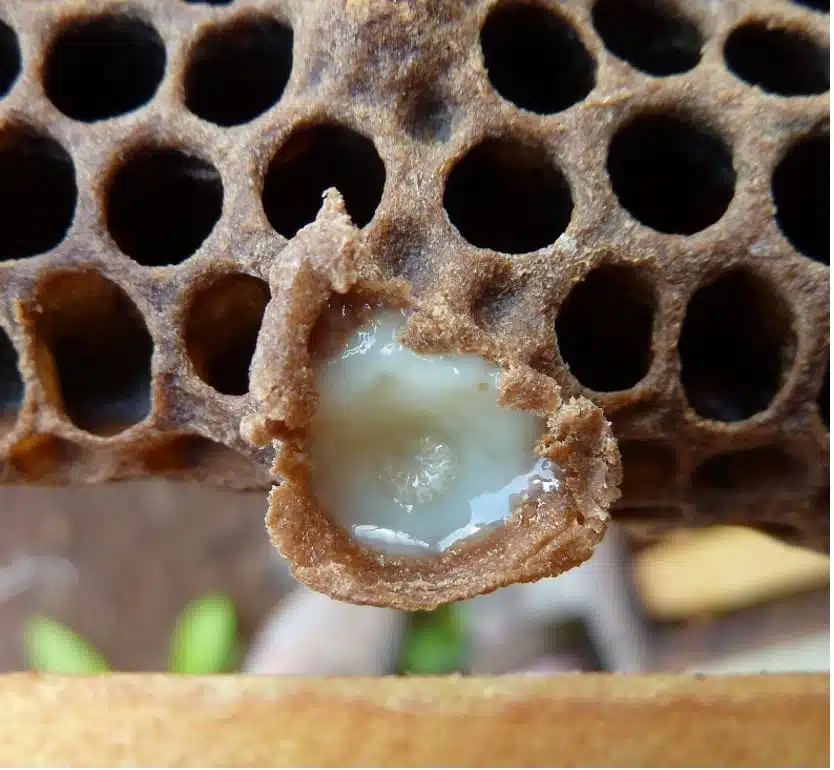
318, 300
411, 453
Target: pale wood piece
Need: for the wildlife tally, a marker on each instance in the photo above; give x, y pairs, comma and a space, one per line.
723, 568
602, 720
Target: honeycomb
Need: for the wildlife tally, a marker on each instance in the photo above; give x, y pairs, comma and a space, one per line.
629, 196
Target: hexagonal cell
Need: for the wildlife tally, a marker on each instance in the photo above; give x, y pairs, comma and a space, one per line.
427, 115
162, 203
604, 328
37, 192
11, 384
45, 459
196, 456
221, 330
655, 37
100, 67
671, 173
765, 472
9, 58
238, 70
737, 344
535, 58
649, 469
648, 520
93, 351
313, 159
802, 194
497, 302
781, 61
508, 196
402, 254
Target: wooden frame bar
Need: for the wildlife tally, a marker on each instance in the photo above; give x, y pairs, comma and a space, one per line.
597, 720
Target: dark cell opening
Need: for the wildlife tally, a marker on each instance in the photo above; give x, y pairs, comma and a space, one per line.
209, 2
239, 71
652, 36
803, 197
779, 531
508, 196
162, 204
763, 471
671, 174
535, 59
222, 329
11, 384
98, 68
427, 116
649, 470
495, 306
604, 328
37, 193
786, 532
314, 159
402, 254
780, 61
9, 58
200, 459
101, 351
736, 346
824, 6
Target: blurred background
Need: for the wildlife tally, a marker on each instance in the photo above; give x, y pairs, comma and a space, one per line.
119, 565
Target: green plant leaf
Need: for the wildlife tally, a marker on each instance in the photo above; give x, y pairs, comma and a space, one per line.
435, 643
205, 637
52, 647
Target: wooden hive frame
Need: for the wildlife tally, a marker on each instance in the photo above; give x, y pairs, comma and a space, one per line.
574, 720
